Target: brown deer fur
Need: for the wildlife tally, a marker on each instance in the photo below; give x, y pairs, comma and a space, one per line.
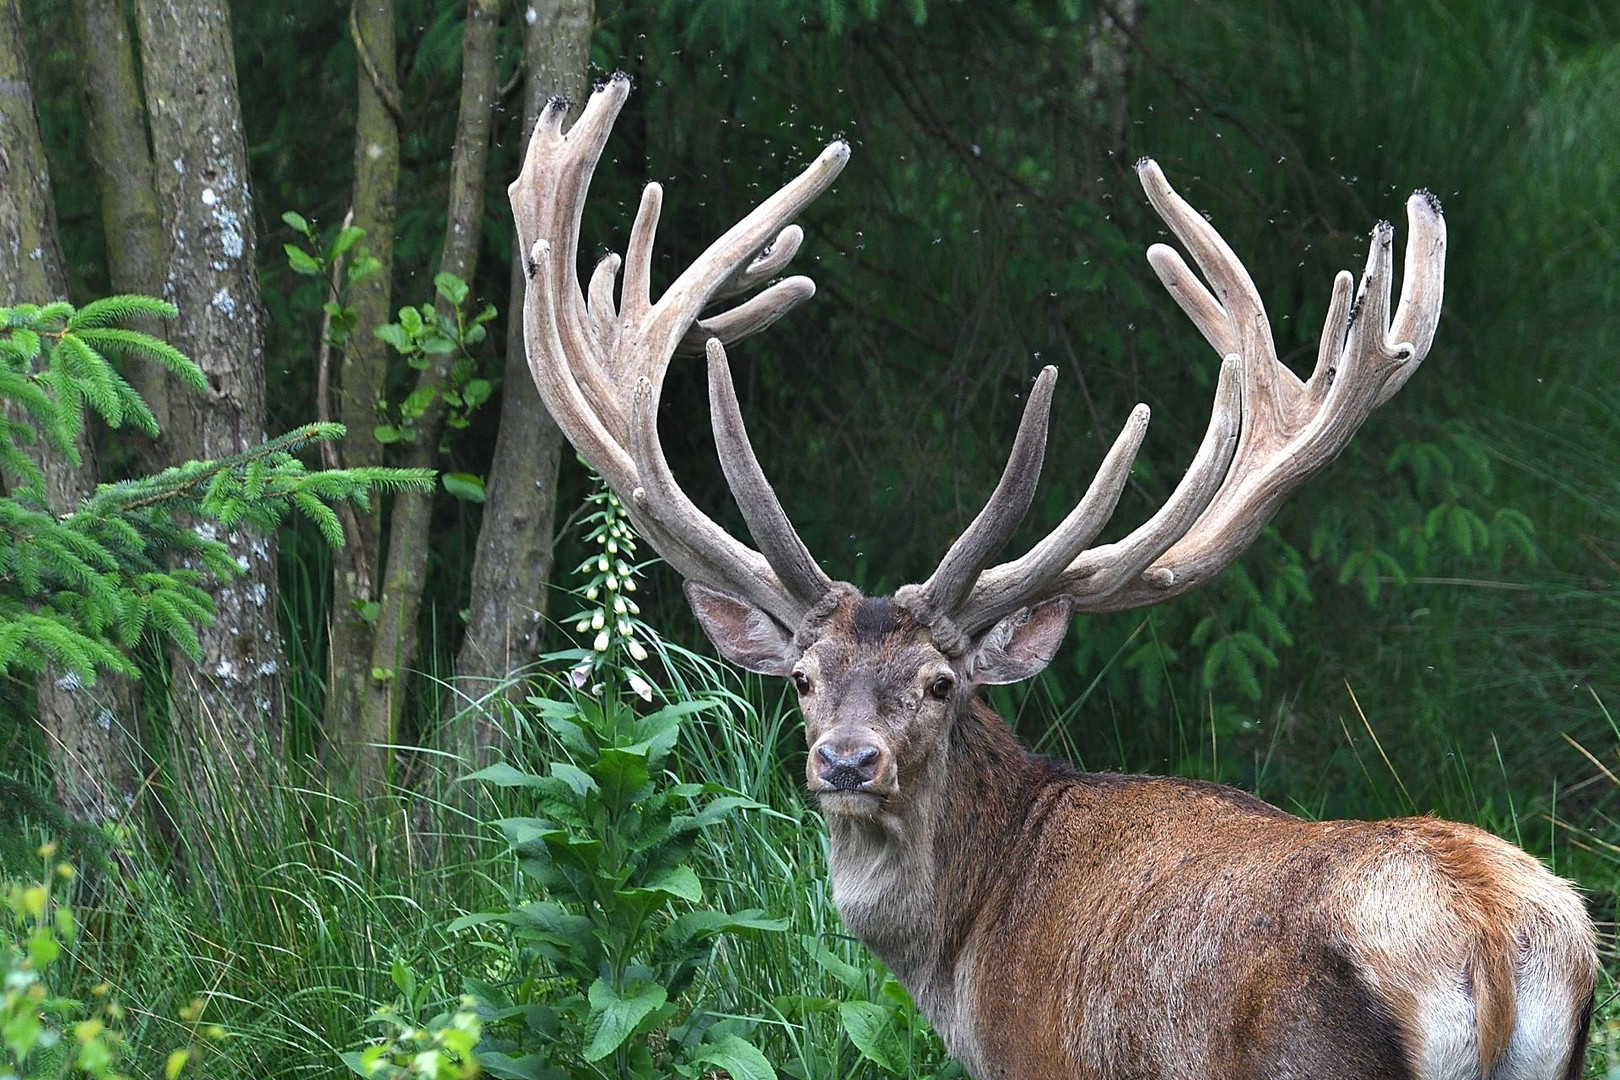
1057, 923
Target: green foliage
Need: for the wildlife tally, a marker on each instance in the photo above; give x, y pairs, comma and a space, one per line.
429, 331
440, 1049
885, 1026
333, 262
54, 362
618, 928
44, 1034
81, 586
47, 1033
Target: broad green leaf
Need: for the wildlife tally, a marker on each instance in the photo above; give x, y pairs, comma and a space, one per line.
346, 239
613, 1019
871, 1028
622, 773
464, 486
680, 882
395, 335
576, 778
835, 965
503, 775
527, 1067
450, 287
301, 261
416, 402
692, 926
738, 1058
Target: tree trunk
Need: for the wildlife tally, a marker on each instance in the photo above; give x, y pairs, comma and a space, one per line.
395, 650
115, 140
89, 729
512, 567
363, 383
230, 700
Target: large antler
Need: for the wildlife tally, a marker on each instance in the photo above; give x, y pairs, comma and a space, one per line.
601, 370
1269, 431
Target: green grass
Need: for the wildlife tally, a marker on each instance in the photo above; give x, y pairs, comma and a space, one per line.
312, 895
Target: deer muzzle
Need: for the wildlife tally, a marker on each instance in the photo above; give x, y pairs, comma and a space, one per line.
848, 767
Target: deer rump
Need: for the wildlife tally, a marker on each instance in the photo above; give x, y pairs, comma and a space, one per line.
1051, 923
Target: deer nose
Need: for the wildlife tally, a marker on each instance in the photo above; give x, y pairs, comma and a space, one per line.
847, 768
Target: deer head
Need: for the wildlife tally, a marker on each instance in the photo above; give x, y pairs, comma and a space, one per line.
879, 679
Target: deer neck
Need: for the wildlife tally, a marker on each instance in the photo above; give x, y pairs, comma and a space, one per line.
914, 883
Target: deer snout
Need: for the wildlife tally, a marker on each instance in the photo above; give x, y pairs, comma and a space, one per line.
848, 767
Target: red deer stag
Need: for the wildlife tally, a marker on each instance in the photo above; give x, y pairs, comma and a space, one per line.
1051, 922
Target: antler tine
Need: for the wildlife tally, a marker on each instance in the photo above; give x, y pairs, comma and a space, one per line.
735, 251
1001, 590
989, 532
601, 370
749, 317
1268, 431
1422, 286
767, 522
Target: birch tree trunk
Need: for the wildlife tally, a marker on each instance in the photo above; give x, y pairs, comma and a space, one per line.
512, 567
396, 648
362, 383
230, 699
88, 729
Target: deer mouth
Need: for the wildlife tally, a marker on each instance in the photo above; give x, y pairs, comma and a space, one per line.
861, 801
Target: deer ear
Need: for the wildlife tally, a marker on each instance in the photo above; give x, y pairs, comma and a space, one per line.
743, 633
1021, 644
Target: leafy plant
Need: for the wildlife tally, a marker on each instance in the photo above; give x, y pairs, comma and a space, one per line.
39, 1034
425, 331
46, 1033
609, 945
440, 1049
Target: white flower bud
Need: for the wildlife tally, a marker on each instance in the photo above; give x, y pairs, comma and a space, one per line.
601, 643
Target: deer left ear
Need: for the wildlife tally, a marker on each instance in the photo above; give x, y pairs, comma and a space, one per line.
1020, 645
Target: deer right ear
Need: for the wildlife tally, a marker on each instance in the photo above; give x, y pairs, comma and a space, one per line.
743, 633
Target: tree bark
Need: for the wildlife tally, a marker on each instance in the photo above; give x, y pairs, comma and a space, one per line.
88, 729
513, 563
363, 382
396, 647
230, 700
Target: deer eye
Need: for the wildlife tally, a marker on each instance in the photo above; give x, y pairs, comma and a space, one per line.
940, 689
801, 682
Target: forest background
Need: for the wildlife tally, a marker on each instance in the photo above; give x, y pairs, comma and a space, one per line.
1433, 625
